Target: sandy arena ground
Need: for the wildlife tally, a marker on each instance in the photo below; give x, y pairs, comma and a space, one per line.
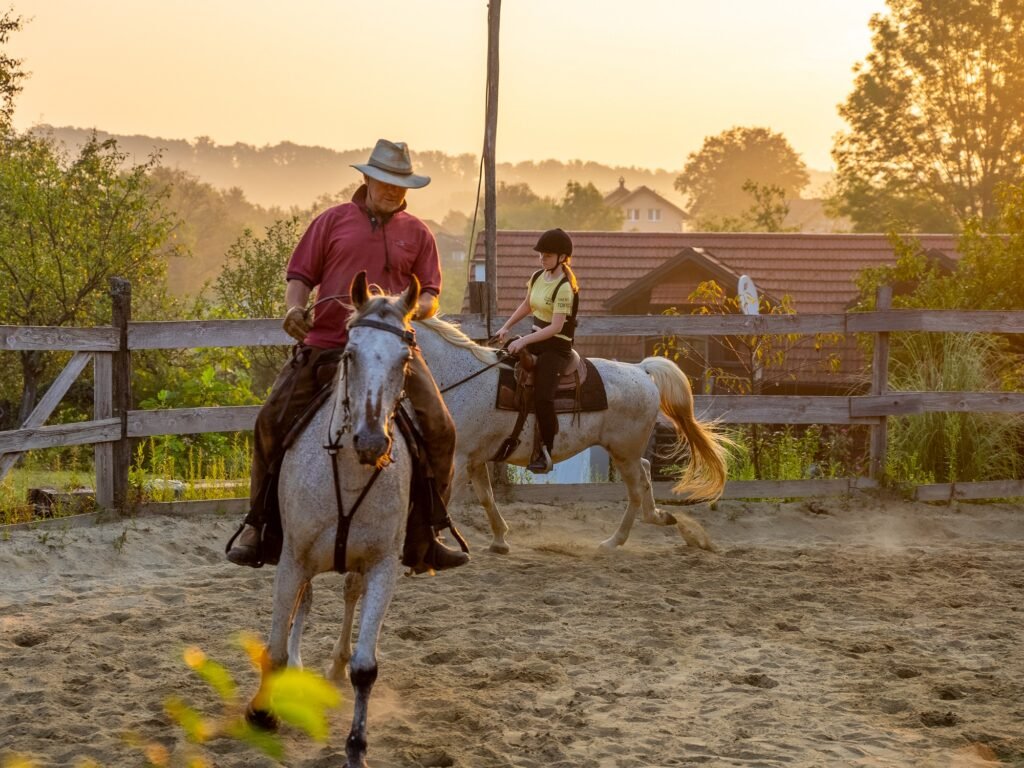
862, 632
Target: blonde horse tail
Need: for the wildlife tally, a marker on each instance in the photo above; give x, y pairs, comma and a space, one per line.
705, 475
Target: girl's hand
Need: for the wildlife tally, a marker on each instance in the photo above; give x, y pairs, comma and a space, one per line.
501, 334
517, 346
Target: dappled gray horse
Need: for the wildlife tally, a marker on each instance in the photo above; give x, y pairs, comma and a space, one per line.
635, 394
367, 474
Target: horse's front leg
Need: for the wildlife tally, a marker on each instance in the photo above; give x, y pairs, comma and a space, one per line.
343, 647
298, 621
485, 495
288, 581
379, 587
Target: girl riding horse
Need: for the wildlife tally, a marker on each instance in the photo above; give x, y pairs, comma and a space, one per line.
553, 297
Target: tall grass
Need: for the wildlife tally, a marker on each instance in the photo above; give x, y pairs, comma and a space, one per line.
951, 447
787, 452
167, 468
163, 471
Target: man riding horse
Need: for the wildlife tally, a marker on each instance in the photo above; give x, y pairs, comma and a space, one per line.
374, 233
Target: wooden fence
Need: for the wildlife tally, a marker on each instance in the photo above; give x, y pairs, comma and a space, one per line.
115, 423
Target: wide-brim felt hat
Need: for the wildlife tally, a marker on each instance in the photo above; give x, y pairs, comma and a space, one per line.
389, 162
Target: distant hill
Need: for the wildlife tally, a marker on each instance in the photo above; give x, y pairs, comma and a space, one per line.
289, 174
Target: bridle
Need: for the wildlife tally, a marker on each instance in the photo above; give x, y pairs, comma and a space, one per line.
334, 440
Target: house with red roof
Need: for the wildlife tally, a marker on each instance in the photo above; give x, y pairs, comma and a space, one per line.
637, 273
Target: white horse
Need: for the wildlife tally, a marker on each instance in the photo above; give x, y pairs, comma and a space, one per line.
373, 481
635, 394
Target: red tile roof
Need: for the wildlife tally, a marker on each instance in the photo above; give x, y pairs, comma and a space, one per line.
817, 270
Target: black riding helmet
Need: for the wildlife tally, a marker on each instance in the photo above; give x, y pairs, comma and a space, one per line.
555, 241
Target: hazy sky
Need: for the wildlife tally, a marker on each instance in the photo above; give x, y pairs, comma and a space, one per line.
640, 82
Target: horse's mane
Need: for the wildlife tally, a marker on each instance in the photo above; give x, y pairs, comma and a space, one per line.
454, 335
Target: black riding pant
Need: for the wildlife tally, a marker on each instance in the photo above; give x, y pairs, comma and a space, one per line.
552, 356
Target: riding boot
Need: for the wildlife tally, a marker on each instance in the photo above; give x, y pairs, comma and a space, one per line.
424, 551
258, 541
244, 548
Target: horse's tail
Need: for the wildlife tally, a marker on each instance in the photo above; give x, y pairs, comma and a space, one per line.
705, 475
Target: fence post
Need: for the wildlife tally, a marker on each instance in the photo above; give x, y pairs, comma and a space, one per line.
879, 386
121, 391
103, 408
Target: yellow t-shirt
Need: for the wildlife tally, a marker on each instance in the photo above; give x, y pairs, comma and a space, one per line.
545, 304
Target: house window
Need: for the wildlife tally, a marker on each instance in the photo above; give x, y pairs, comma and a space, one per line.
653, 214
632, 214
479, 273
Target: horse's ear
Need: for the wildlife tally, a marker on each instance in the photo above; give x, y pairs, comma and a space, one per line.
411, 297
359, 290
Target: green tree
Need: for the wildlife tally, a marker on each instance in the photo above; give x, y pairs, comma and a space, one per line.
992, 251
582, 208
944, 447
714, 177
251, 284
936, 116
767, 212
519, 207
66, 226
11, 73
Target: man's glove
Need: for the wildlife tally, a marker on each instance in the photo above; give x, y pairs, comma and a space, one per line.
295, 323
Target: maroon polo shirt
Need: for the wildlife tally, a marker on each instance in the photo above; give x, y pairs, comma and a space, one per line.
346, 239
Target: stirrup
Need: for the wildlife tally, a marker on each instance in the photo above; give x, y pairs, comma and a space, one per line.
541, 464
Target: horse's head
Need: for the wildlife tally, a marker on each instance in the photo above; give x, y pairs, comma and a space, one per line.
372, 373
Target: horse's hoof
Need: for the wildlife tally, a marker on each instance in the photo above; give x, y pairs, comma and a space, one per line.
499, 549
608, 546
669, 519
261, 718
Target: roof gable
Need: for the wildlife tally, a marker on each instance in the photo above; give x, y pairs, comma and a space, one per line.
696, 257
622, 197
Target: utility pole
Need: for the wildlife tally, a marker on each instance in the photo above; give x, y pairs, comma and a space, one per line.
490, 139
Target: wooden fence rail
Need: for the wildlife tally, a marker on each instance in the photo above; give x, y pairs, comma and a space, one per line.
115, 423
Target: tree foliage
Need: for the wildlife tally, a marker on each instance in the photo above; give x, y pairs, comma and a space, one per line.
950, 447
11, 73
66, 226
251, 284
984, 278
582, 208
714, 177
519, 207
936, 116
767, 212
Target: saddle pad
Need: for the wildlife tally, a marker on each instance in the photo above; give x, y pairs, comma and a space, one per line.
592, 397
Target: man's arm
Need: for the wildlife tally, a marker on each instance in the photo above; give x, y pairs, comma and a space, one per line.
296, 294
296, 324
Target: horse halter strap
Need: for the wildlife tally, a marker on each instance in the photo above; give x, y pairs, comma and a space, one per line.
405, 334
345, 518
